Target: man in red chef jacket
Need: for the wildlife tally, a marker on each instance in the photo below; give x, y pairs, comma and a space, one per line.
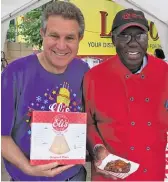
126, 101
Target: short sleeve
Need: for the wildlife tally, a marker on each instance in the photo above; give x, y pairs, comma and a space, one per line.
8, 100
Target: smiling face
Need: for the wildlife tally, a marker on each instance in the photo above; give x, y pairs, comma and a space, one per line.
60, 43
131, 52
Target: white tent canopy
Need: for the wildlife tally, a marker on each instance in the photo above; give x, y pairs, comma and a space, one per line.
10, 9
155, 10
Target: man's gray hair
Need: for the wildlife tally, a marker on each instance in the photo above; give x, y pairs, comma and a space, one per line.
66, 10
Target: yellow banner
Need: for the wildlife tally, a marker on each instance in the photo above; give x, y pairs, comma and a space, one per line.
99, 15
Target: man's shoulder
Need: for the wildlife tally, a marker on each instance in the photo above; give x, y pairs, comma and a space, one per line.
78, 64
21, 63
79, 61
158, 63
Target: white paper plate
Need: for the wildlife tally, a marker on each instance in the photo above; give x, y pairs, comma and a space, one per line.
111, 157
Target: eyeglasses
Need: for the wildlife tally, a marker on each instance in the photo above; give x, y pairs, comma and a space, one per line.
127, 38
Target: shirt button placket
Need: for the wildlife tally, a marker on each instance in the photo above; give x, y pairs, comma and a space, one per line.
142, 76
131, 99
147, 99
132, 148
145, 170
127, 76
133, 123
149, 123
147, 148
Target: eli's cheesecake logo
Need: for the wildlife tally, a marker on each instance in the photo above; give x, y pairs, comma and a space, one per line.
60, 123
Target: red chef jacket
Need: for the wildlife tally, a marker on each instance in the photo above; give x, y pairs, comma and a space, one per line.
128, 113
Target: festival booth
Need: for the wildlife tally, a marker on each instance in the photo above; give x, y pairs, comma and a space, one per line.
96, 45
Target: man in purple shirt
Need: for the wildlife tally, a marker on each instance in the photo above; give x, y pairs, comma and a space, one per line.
34, 83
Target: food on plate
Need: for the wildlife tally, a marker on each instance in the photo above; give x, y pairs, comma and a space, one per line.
118, 166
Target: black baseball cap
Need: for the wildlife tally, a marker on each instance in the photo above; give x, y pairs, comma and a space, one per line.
128, 18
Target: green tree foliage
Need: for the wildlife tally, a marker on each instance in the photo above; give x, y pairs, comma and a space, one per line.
12, 32
30, 27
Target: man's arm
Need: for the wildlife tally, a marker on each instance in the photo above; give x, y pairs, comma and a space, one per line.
95, 142
12, 153
88, 94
